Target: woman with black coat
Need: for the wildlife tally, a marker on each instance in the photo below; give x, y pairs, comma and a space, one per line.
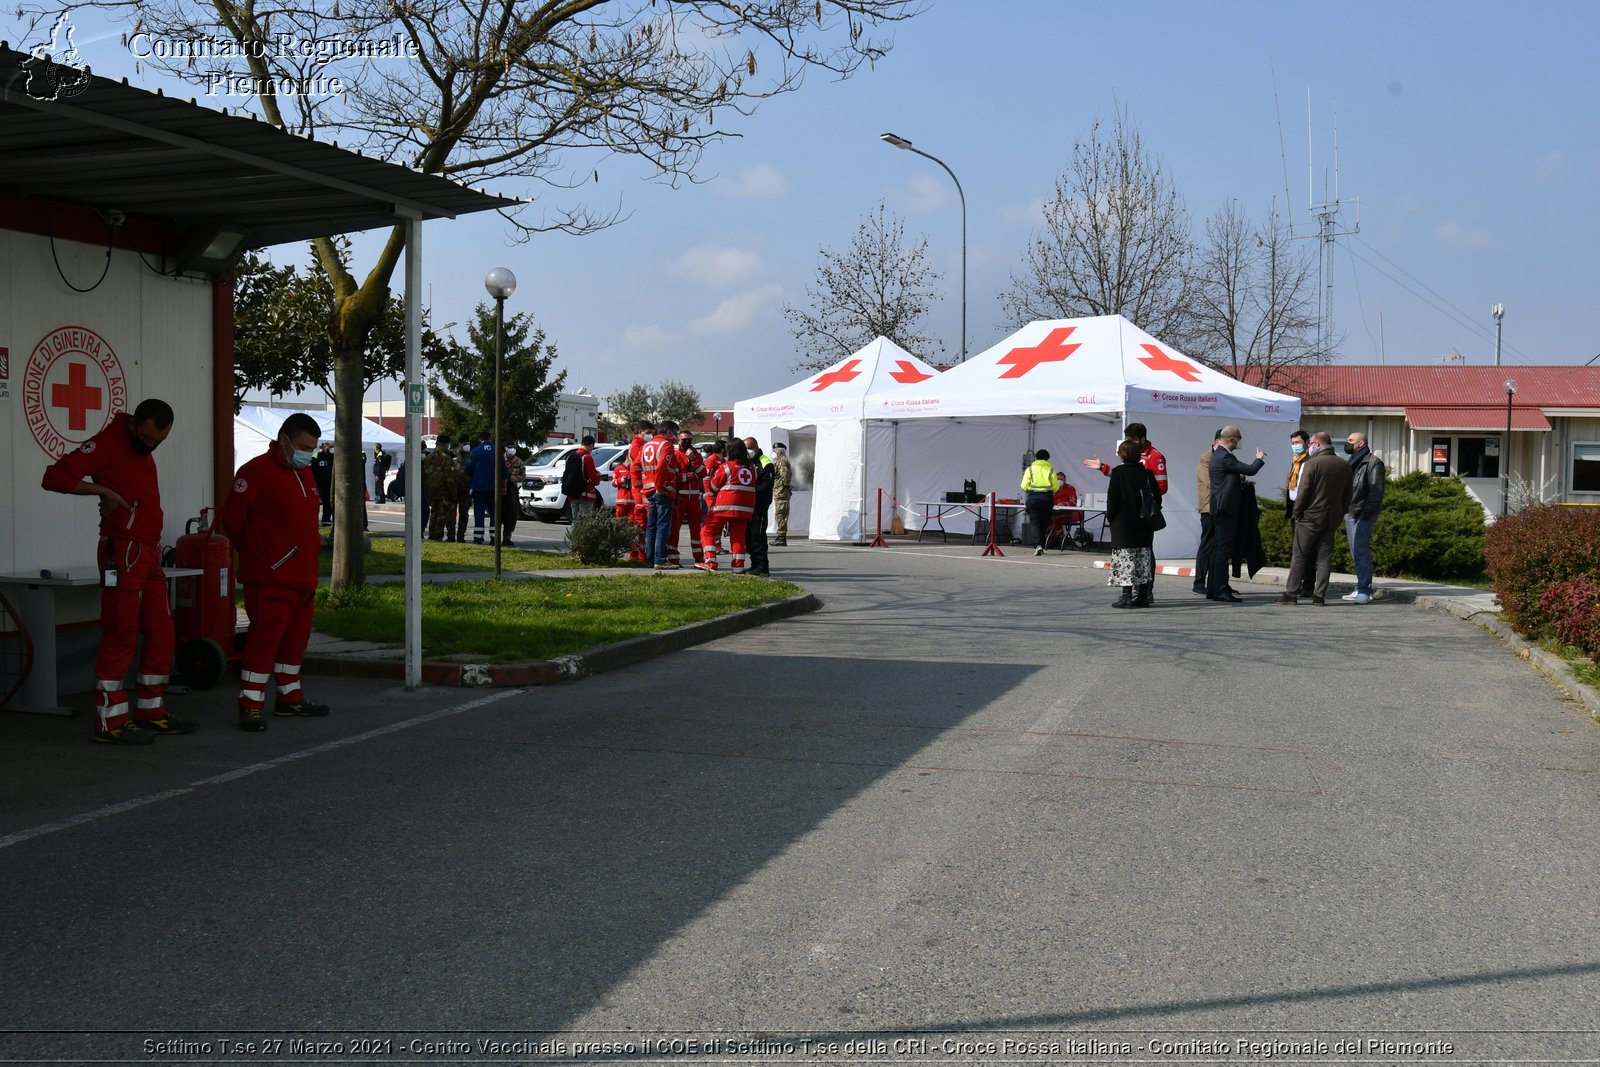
1132, 538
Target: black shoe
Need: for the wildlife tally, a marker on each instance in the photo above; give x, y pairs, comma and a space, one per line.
1318, 602
302, 708
1199, 590
1287, 598
251, 722
126, 734
1125, 600
782, 542
1141, 601
1228, 597
1305, 590
168, 724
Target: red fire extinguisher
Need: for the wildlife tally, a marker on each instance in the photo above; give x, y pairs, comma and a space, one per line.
204, 622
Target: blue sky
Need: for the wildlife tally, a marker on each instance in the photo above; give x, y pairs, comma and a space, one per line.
1469, 131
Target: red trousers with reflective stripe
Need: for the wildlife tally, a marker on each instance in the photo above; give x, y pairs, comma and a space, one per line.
280, 628
711, 532
687, 510
136, 605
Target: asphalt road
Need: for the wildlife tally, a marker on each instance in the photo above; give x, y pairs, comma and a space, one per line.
967, 799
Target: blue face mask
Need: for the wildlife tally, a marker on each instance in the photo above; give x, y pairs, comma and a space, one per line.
301, 460
1298, 447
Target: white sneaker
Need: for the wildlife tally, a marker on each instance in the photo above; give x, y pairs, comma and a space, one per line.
1039, 551
1363, 598
1351, 597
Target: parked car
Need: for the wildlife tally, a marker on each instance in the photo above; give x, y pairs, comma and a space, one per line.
541, 496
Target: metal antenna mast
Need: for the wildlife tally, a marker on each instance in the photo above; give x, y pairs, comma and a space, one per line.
1329, 215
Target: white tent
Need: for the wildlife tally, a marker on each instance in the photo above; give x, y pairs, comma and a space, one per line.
820, 420
256, 424
1069, 386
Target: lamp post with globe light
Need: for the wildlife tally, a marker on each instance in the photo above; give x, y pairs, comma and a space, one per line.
500, 283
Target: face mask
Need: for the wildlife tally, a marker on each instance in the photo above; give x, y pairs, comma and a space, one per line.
1349, 449
1298, 448
301, 460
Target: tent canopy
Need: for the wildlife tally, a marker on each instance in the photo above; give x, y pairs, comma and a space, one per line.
1081, 365
841, 391
267, 421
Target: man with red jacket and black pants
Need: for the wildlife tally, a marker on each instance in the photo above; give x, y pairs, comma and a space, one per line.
660, 467
115, 465
271, 517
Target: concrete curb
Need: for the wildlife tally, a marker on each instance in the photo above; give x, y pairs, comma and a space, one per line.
571, 667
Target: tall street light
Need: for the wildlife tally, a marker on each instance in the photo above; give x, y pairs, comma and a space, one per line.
1505, 451
501, 283
1499, 312
901, 142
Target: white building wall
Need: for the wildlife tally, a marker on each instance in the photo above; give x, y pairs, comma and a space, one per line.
160, 331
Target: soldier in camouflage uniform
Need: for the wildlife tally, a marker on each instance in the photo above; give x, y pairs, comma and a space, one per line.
782, 488
439, 485
510, 504
463, 489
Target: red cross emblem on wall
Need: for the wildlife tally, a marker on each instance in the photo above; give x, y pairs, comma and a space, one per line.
846, 373
1053, 349
1159, 360
71, 384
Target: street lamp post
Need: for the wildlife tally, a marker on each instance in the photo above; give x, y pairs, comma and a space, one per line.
1499, 312
500, 283
901, 142
1505, 452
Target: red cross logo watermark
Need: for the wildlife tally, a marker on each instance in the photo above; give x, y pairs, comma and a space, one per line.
846, 373
905, 373
1159, 360
72, 385
1053, 349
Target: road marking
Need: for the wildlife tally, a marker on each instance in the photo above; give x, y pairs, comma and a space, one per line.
255, 768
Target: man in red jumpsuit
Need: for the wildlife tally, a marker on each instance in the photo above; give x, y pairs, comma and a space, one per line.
271, 516
115, 465
640, 517
687, 509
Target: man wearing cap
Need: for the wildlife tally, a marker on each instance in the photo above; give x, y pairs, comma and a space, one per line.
781, 491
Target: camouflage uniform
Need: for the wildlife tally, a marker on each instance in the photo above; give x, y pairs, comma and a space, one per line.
781, 490
463, 492
439, 484
510, 502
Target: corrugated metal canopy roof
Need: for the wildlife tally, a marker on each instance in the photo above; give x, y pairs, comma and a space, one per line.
1475, 418
113, 146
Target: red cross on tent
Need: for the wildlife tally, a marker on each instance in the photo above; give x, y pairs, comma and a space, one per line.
77, 396
846, 373
907, 373
1159, 360
1053, 349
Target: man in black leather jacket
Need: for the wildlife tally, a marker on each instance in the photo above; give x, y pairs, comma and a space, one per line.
1366, 501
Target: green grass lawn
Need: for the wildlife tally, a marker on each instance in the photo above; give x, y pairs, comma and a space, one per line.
528, 620
446, 557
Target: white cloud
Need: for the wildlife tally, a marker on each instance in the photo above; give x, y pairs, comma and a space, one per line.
649, 336
925, 192
737, 312
1453, 233
760, 182
725, 267
1029, 214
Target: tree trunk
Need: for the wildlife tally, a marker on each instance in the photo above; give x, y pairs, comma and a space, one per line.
349, 539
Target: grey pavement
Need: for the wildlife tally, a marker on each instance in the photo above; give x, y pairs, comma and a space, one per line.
966, 798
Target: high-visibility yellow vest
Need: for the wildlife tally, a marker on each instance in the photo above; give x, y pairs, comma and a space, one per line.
1039, 478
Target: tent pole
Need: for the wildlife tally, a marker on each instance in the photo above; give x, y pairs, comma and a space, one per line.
413, 447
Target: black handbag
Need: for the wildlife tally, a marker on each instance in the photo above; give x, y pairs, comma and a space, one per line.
1150, 507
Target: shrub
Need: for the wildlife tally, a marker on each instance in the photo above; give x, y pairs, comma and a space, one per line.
1429, 528
1537, 548
1573, 608
599, 538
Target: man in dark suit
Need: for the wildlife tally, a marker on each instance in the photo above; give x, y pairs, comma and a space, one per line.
1320, 503
1227, 491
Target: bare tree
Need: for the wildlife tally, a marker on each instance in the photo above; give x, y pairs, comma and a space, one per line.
1115, 240
500, 89
671, 399
1254, 310
877, 287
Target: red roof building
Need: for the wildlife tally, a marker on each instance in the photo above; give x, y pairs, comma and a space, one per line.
1452, 420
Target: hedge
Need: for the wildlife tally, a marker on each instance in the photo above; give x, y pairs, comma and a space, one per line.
1532, 553
1430, 527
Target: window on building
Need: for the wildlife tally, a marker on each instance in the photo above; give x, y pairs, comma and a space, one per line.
1478, 457
1586, 467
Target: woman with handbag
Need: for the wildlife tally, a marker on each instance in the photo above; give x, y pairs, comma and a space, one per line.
1131, 495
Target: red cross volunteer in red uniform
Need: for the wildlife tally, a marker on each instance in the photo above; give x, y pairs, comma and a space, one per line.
271, 515
735, 486
115, 465
1153, 461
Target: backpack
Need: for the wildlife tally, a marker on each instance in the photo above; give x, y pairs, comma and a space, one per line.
573, 483
1150, 505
